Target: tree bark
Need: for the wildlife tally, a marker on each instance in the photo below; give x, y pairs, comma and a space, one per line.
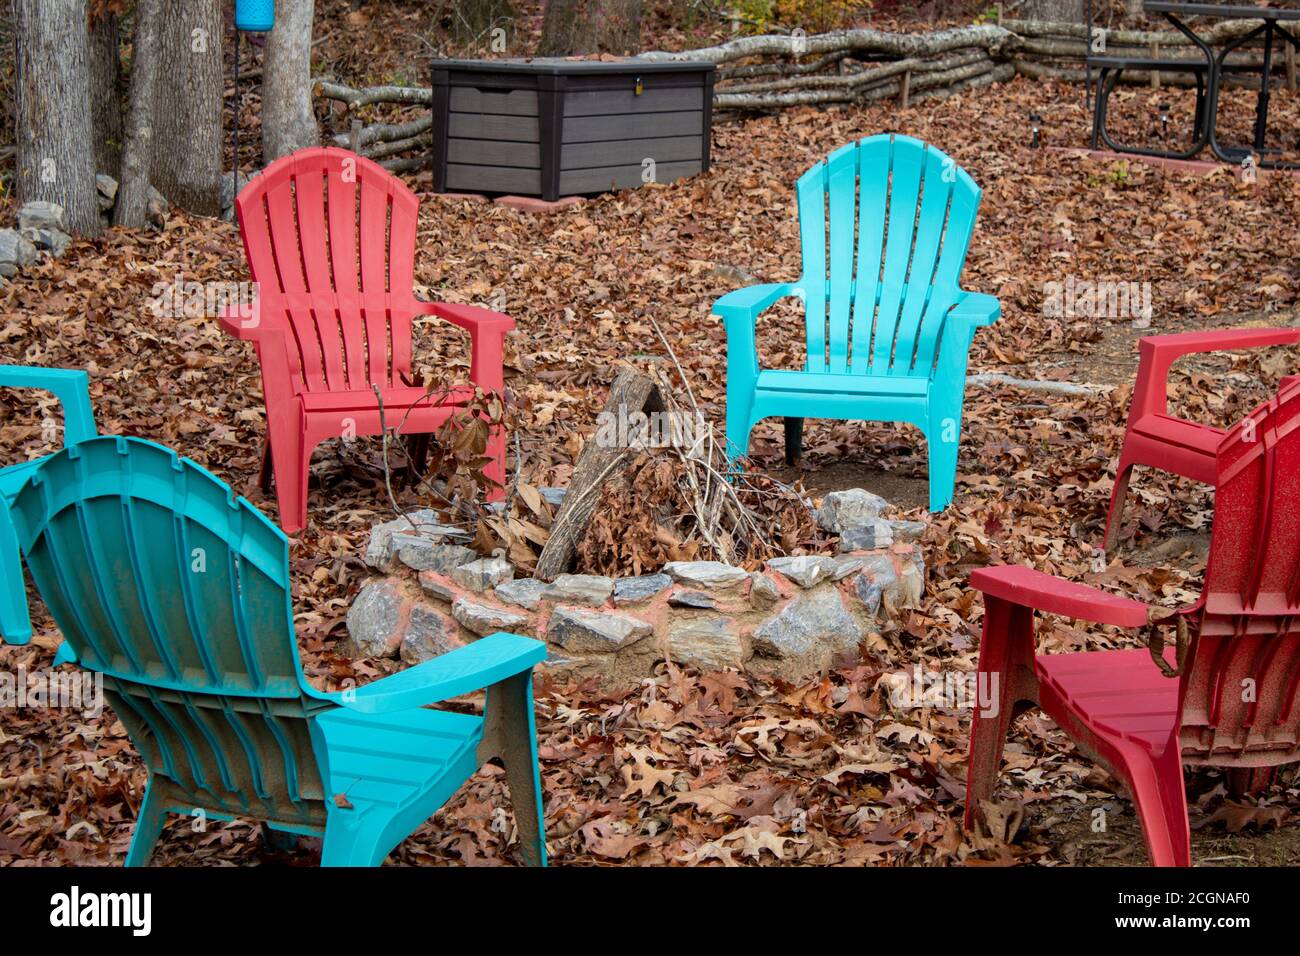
288, 123
187, 101
1055, 11
138, 144
106, 92
485, 25
52, 90
571, 27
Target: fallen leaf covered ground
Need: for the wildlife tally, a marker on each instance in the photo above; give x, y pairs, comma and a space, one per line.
726, 768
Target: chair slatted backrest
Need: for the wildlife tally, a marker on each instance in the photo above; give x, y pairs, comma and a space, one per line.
179, 594
330, 241
884, 225
1239, 691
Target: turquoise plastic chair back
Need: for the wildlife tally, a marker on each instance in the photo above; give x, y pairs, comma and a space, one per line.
889, 254
72, 389
885, 224
178, 593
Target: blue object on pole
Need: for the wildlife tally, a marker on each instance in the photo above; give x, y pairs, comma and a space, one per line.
255, 16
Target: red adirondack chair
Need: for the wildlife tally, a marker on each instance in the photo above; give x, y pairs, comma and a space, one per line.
330, 240
1158, 439
1233, 704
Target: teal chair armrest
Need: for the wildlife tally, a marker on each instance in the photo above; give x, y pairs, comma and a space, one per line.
487, 661
976, 309
70, 386
751, 300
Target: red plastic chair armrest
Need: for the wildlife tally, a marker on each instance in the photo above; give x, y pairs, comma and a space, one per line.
487, 331
1157, 354
1045, 592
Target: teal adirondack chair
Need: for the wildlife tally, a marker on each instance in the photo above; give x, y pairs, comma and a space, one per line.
72, 389
178, 593
888, 327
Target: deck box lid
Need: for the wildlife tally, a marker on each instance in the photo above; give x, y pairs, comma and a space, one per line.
560, 65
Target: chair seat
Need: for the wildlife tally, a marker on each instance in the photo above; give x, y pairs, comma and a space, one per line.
1120, 695
402, 397
385, 762
842, 383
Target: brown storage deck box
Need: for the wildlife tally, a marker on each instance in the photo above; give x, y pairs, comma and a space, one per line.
553, 127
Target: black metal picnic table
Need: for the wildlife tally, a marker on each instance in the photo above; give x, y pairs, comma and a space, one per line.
1214, 67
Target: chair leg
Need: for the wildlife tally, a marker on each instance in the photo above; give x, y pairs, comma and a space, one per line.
738, 428
351, 844
281, 840
1115, 515
1249, 781
15, 622
148, 826
510, 734
496, 468
264, 470
793, 440
417, 450
1005, 681
291, 458
1160, 795
942, 441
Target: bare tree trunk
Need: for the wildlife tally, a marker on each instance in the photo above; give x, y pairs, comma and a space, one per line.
52, 89
106, 92
1054, 11
137, 149
590, 26
187, 106
288, 123
487, 25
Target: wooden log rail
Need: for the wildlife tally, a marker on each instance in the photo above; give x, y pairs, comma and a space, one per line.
845, 66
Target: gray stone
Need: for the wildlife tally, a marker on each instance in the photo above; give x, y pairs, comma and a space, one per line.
429, 633
877, 579
55, 241
523, 592
641, 588
809, 631
709, 643
375, 620
907, 531
705, 574
424, 551
804, 570
763, 593
692, 599
553, 496
581, 630
911, 586
107, 188
380, 551
39, 214
592, 589
483, 574
869, 592
434, 584
847, 510
872, 536
841, 568
16, 252
484, 620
